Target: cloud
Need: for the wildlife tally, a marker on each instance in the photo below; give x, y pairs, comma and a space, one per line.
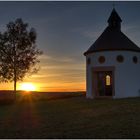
53, 62
128, 28
132, 32
89, 32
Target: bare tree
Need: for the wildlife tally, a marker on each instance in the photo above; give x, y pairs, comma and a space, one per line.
18, 52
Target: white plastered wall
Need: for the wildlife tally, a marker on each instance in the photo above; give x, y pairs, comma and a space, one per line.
127, 74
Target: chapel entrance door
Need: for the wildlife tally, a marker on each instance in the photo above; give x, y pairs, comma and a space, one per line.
104, 83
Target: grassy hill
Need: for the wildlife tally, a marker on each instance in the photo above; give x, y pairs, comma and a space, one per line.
74, 117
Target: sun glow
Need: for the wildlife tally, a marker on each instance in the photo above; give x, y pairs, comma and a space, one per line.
27, 87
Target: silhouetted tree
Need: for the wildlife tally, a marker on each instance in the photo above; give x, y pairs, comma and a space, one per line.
18, 52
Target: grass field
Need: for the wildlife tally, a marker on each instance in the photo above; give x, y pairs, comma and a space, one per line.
73, 117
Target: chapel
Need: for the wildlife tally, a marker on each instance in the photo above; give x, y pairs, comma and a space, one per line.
113, 64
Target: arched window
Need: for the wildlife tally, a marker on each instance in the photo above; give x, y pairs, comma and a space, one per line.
108, 80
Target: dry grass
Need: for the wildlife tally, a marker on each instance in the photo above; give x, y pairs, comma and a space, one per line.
74, 117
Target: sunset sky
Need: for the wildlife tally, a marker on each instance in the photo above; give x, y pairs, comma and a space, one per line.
65, 31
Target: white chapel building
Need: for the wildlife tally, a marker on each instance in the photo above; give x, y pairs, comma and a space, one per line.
113, 64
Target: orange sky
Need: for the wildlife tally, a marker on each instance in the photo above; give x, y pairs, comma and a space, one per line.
55, 75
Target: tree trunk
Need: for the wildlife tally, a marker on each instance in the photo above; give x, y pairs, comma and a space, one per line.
15, 73
15, 82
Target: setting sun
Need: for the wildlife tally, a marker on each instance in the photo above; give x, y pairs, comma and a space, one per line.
27, 87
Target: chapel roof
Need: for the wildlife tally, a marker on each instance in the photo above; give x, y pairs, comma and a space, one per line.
112, 38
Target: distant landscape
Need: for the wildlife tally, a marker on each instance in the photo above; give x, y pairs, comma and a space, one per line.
68, 115
8, 95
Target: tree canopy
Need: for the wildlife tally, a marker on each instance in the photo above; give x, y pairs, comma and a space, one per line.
18, 52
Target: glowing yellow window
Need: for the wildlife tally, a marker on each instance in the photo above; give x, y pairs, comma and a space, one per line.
108, 81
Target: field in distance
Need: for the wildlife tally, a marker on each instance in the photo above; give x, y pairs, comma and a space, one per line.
34, 95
